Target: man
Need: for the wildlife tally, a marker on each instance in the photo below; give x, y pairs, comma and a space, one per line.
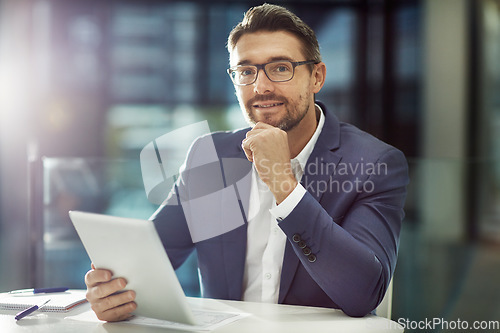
325, 199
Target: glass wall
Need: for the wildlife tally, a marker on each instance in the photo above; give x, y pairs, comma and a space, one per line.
488, 123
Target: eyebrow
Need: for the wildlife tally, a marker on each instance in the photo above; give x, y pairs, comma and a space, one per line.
272, 59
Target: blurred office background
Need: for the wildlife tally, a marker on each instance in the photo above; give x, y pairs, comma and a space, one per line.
85, 85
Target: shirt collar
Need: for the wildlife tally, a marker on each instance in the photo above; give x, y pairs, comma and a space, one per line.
304, 154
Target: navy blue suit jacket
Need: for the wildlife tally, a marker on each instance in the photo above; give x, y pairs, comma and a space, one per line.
343, 236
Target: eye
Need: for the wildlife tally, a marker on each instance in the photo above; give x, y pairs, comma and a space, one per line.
246, 71
281, 68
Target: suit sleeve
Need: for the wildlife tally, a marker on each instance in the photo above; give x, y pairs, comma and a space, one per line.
173, 230
170, 220
353, 256
176, 221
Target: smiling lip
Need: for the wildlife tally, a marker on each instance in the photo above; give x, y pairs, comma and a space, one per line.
266, 105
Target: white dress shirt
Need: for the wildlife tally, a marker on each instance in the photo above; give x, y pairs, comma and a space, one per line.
265, 239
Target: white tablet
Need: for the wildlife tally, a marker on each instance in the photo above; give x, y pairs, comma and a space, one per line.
132, 249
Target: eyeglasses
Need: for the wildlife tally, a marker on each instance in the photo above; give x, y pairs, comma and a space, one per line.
276, 71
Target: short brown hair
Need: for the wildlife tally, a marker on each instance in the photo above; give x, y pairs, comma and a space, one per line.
272, 18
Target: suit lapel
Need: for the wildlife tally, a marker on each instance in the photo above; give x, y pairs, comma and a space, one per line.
324, 157
319, 168
237, 173
234, 252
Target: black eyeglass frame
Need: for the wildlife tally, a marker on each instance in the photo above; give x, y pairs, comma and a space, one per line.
263, 67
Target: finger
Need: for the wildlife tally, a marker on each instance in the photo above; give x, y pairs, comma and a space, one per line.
115, 305
261, 125
97, 276
119, 313
246, 149
105, 289
253, 132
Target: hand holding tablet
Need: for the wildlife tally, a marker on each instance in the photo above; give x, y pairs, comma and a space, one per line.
103, 293
128, 256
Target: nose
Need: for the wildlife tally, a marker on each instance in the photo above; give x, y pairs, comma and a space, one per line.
262, 84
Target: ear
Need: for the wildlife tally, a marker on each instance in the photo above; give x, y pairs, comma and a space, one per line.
318, 77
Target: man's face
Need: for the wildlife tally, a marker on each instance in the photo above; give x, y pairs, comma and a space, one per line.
280, 104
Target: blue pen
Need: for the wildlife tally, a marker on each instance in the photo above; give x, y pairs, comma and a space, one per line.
40, 290
29, 310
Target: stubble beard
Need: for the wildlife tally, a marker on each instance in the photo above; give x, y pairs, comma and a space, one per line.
294, 113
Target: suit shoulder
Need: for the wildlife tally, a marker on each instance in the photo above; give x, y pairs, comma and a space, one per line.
227, 143
355, 139
227, 137
221, 137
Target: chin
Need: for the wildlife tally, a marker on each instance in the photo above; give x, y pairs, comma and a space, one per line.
272, 122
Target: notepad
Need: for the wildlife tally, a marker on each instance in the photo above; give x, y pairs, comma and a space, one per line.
59, 302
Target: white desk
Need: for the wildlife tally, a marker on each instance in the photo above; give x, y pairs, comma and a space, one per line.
264, 318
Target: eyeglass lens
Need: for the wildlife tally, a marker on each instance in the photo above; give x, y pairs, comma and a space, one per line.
275, 71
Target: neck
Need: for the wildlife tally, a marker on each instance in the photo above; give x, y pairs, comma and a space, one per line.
300, 135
